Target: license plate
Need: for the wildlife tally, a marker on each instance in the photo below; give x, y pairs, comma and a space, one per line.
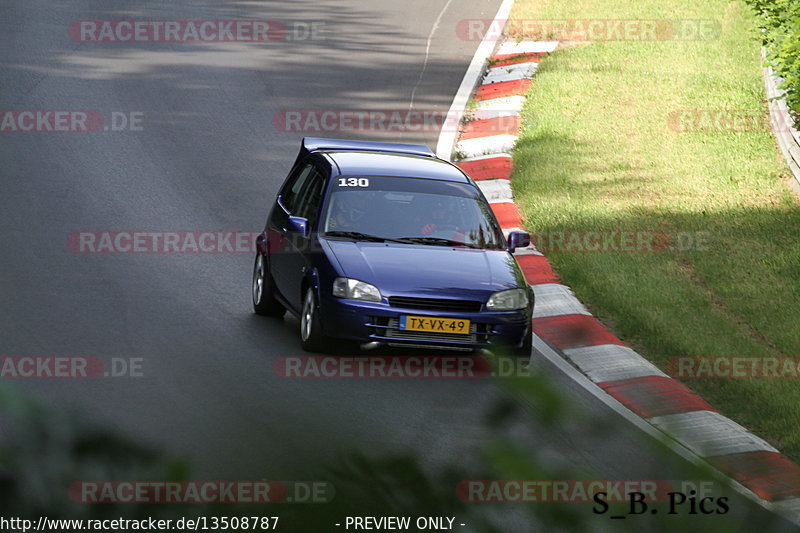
432, 324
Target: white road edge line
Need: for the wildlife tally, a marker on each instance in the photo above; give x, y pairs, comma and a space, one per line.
447, 137
540, 347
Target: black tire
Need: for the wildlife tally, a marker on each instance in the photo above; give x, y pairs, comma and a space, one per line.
264, 302
527, 346
311, 336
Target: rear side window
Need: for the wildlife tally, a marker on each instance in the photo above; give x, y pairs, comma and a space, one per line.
310, 199
294, 185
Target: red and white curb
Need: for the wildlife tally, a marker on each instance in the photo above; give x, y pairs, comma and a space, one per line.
565, 326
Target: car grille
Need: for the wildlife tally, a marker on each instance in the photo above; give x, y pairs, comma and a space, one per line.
435, 304
478, 333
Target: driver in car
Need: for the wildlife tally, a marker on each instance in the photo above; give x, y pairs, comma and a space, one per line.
347, 212
441, 219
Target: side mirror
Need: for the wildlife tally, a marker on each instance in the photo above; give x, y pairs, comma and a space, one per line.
518, 239
299, 224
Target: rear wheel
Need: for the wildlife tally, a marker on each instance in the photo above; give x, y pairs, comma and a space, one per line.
311, 336
264, 302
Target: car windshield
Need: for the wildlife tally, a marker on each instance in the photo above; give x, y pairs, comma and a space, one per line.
410, 210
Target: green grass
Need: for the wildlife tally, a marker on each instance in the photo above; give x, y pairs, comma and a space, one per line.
597, 152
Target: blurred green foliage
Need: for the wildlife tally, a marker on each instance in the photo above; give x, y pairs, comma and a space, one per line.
44, 450
780, 20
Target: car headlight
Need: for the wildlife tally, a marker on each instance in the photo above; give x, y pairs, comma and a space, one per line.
508, 299
355, 290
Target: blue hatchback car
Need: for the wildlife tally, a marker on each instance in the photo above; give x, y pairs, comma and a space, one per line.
385, 244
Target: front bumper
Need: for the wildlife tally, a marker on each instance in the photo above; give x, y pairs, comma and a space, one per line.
378, 322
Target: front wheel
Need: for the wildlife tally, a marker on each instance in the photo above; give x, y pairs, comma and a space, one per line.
527, 346
264, 302
311, 336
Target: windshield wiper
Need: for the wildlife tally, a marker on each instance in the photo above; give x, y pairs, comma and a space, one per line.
436, 241
357, 235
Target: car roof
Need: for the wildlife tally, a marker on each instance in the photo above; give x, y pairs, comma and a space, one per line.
313, 144
370, 163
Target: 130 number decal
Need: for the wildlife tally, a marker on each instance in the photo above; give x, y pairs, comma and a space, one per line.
353, 182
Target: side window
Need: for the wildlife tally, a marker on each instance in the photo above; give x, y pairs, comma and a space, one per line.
293, 186
311, 198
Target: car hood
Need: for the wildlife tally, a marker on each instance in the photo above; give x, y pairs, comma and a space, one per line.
428, 271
